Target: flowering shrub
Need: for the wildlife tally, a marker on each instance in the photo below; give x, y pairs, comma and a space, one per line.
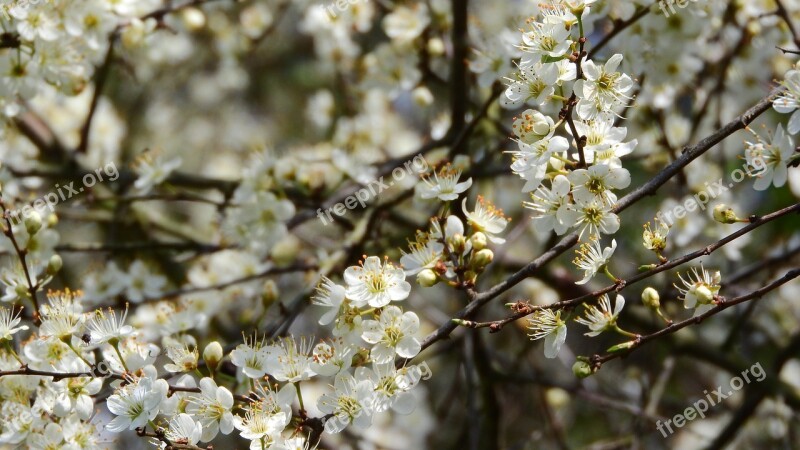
189, 299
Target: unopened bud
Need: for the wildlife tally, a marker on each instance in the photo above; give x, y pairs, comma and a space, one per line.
470, 276
54, 264
458, 243
212, 355
427, 278
422, 96
582, 369
436, 47
33, 222
650, 298
479, 241
193, 18
482, 258
724, 214
270, 293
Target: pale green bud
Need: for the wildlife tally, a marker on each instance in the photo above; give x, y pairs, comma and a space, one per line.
650, 298
212, 355
479, 241
582, 369
427, 278
724, 214
482, 258
33, 223
54, 264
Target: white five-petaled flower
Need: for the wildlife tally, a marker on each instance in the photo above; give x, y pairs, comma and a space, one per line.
62, 315
183, 430
8, 323
183, 358
601, 135
329, 295
770, 159
107, 327
137, 402
375, 283
332, 357
290, 359
392, 386
530, 162
789, 101
153, 170
212, 409
349, 403
486, 218
546, 39
602, 318
259, 423
595, 217
75, 394
596, 183
251, 357
533, 84
699, 289
655, 238
392, 334
443, 184
551, 207
603, 89
425, 253
592, 258
548, 325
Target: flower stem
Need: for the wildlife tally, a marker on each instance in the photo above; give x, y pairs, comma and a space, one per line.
13, 353
299, 396
610, 275
119, 355
624, 333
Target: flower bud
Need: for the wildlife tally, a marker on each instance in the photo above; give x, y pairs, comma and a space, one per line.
482, 258
427, 278
458, 243
479, 241
54, 264
724, 214
212, 355
582, 369
470, 276
269, 293
33, 222
650, 298
436, 47
422, 96
193, 18
285, 251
